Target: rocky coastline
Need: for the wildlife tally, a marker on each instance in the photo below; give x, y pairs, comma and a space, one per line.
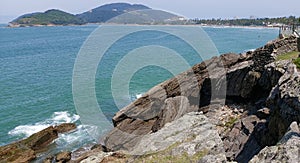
185, 119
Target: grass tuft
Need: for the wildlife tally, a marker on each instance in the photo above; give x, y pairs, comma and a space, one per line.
287, 56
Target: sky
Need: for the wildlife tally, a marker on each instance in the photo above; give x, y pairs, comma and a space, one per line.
10, 9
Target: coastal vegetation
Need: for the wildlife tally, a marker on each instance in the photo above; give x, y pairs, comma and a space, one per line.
289, 55
294, 55
250, 22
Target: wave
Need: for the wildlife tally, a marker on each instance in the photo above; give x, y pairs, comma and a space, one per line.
136, 96
66, 141
248, 50
76, 139
56, 118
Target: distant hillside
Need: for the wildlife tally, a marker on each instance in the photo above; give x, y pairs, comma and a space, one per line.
147, 17
106, 12
50, 17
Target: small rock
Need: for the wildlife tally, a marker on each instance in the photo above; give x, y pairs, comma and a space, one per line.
96, 157
293, 130
49, 159
101, 147
63, 156
263, 113
236, 111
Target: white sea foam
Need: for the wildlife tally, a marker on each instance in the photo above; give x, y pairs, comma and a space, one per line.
248, 50
56, 118
75, 139
66, 141
27, 130
138, 95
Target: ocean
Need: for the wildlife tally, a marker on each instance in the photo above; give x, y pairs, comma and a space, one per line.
36, 68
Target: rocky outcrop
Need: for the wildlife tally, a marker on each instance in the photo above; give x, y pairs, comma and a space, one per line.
250, 77
260, 92
269, 52
26, 150
284, 102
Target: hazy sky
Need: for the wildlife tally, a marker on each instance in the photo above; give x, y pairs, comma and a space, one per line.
10, 9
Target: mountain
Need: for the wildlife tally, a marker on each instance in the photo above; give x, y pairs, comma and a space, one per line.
50, 17
108, 11
119, 13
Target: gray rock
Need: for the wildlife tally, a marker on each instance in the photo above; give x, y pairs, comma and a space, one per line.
129, 132
288, 91
293, 130
190, 134
173, 109
286, 151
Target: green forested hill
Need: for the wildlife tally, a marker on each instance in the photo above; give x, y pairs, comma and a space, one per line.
50, 17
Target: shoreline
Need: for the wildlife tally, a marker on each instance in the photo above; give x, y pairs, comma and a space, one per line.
8, 25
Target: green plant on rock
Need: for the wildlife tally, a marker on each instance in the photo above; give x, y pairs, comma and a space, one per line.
297, 62
230, 123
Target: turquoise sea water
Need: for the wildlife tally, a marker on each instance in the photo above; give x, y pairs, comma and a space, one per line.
36, 66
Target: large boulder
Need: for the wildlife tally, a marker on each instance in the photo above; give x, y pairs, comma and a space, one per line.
189, 138
284, 101
286, 95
